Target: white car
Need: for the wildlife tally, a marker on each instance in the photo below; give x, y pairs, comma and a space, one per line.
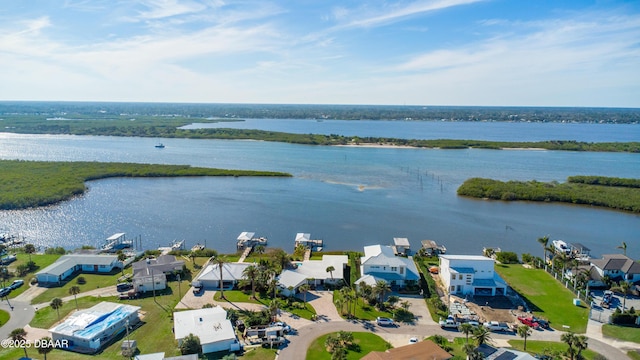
382, 321
413, 340
497, 326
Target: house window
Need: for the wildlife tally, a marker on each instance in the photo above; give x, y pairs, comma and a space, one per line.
401, 270
453, 277
453, 288
393, 268
460, 277
469, 277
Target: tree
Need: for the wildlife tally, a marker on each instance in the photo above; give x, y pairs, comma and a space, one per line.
19, 335
622, 246
472, 352
481, 335
274, 305
56, 303
191, 345
122, 257
251, 272
331, 269
524, 331
304, 288
624, 288
45, 346
544, 241
580, 342
29, 249
220, 260
75, 290
381, 288
569, 338
466, 329
260, 249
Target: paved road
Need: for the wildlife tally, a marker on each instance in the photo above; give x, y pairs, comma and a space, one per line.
21, 315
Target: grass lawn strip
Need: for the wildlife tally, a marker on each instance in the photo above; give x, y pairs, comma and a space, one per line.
546, 297
624, 333
547, 347
368, 342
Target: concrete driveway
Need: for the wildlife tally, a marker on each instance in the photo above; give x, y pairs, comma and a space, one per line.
418, 308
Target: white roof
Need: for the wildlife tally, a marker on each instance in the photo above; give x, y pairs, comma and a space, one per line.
368, 279
66, 262
230, 271
246, 235
115, 236
381, 255
401, 242
153, 356
303, 237
317, 269
290, 278
210, 325
466, 257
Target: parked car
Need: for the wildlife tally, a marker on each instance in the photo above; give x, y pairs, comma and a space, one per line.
5, 291
197, 287
285, 328
16, 284
542, 322
497, 326
382, 321
413, 340
529, 321
449, 323
123, 287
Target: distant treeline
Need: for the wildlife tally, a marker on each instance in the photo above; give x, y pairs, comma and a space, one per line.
615, 193
25, 184
169, 127
340, 112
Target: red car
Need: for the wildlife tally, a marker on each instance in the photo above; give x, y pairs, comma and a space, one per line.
529, 321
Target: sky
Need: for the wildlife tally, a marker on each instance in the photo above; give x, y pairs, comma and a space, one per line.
430, 52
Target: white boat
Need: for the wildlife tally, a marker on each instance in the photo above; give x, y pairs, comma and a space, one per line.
561, 247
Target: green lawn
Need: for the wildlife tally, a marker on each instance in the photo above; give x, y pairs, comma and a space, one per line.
547, 347
363, 310
546, 297
624, 333
41, 260
239, 296
368, 342
4, 317
94, 281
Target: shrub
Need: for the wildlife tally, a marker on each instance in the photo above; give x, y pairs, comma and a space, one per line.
81, 280
507, 257
527, 258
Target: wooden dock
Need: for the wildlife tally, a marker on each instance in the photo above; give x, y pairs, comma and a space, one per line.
245, 253
248, 240
304, 239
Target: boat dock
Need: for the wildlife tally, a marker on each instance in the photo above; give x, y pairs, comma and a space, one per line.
432, 248
175, 245
248, 240
304, 239
116, 242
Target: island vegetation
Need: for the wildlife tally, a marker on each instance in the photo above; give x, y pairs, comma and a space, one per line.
614, 193
25, 184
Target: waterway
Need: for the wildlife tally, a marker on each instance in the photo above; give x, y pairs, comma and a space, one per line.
348, 196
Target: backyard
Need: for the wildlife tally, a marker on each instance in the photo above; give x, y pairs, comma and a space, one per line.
546, 297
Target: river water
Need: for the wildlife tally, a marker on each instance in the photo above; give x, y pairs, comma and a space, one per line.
348, 196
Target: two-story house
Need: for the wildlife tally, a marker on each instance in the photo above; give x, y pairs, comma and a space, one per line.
470, 274
617, 267
380, 263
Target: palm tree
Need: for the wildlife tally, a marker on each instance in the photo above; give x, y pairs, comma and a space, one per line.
472, 352
580, 342
260, 249
364, 291
466, 329
56, 303
19, 335
331, 269
45, 346
405, 305
623, 246
339, 304
29, 249
274, 305
624, 288
304, 288
346, 295
481, 335
524, 331
544, 241
251, 272
569, 338
381, 288
75, 290
220, 260
122, 257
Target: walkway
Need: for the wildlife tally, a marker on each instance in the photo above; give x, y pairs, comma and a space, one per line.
245, 253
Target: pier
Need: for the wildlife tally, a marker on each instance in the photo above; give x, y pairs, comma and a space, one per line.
432, 248
304, 239
116, 242
248, 240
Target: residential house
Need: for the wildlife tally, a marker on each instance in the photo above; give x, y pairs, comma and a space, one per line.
313, 272
68, 265
151, 274
89, 330
617, 267
492, 353
426, 349
232, 273
470, 275
380, 263
210, 325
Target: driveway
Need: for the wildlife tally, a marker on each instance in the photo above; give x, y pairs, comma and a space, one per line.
418, 308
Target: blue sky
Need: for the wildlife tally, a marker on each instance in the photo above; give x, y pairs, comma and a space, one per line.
432, 52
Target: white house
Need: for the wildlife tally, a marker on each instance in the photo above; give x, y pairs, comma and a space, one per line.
380, 263
617, 267
470, 274
68, 265
90, 329
313, 272
210, 325
209, 277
